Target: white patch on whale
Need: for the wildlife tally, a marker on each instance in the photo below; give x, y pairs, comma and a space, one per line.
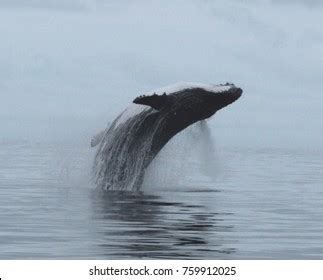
96, 139
185, 85
131, 111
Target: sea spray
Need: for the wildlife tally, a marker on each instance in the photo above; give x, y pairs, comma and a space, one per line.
117, 165
188, 157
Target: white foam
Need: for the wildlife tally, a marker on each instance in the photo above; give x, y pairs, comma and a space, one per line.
185, 85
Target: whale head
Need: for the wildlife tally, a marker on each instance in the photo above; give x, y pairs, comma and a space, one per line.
189, 102
181, 105
199, 103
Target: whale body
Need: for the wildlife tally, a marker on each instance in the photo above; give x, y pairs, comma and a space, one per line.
129, 144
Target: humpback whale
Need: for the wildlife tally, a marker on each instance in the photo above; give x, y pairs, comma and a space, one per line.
129, 144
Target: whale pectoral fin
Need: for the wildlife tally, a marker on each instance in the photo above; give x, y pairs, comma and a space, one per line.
155, 101
97, 139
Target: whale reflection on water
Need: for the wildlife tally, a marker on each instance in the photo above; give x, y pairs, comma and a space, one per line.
137, 225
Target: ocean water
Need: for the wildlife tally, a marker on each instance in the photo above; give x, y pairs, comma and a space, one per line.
258, 204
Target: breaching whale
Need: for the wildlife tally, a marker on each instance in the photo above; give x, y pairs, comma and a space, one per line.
129, 144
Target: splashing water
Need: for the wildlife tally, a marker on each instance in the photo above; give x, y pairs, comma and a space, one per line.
126, 148
122, 158
190, 153
207, 150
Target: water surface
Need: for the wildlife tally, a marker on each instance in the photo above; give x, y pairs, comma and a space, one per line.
262, 204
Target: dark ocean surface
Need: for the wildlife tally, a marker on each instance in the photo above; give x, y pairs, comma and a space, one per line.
260, 204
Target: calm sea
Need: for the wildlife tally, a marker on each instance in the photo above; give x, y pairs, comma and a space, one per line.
258, 204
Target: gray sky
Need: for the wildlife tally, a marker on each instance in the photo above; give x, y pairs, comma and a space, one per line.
70, 66
61, 4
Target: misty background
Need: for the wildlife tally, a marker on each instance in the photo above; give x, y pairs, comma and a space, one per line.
67, 67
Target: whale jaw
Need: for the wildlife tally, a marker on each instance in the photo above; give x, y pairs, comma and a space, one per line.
214, 96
